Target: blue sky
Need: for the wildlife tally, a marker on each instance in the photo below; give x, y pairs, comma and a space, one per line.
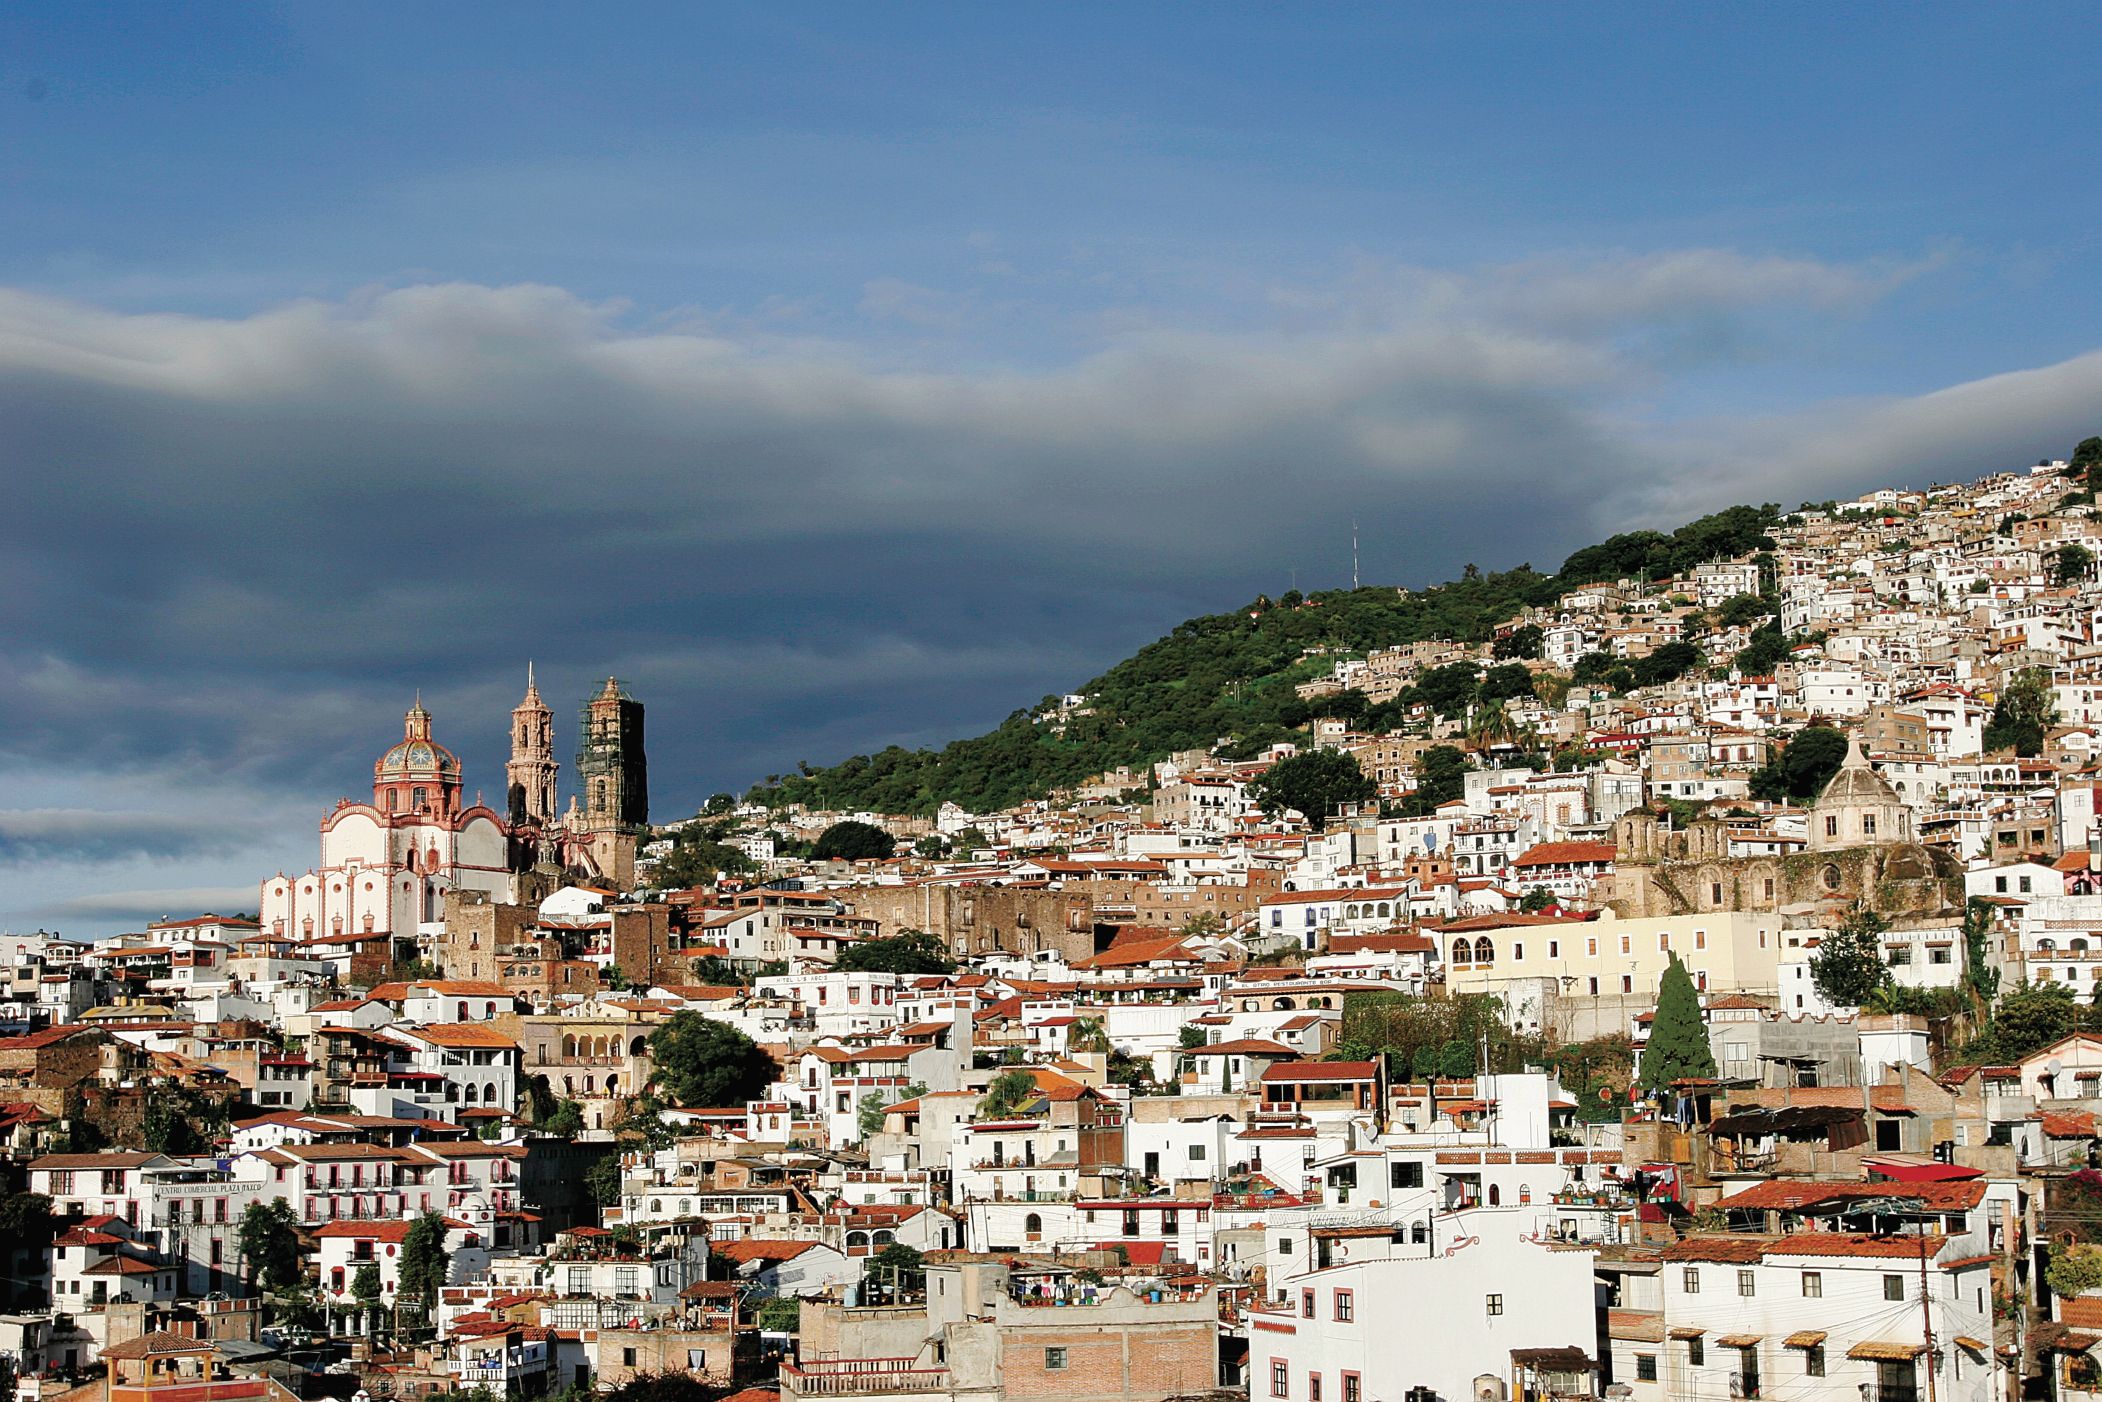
849, 375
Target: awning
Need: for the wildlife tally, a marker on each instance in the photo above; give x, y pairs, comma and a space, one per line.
1739, 1341
1804, 1338
1684, 1332
1879, 1351
2073, 1341
1974, 1345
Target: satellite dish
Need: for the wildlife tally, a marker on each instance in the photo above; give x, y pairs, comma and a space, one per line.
2053, 1066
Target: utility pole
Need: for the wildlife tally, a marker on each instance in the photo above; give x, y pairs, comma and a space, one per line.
1926, 1313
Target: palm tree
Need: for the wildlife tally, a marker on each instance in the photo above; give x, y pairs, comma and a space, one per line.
1087, 1034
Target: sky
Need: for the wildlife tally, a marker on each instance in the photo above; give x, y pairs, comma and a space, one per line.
843, 375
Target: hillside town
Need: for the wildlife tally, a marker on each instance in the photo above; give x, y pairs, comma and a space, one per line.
1690, 989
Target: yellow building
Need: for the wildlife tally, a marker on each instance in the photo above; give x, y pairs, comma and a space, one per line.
1725, 951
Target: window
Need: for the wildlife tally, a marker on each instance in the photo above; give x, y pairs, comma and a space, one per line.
1353, 1390
1055, 1362
1196, 1152
1280, 1384
1496, 1305
1938, 954
1554, 949
1306, 1304
1893, 1287
1345, 1307
627, 1358
1691, 1280
1405, 1175
1284, 1246
1832, 825
1814, 1361
1696, 1352
1313, 1387
1645, 1367
1747, 1283
1813, 1286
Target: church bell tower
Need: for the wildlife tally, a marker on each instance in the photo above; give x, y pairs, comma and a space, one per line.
530, 776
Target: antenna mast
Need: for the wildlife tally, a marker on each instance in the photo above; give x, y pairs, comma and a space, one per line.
1353, 552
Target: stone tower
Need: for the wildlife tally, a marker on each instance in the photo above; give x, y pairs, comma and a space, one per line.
610, 764
530, 776
1858, 808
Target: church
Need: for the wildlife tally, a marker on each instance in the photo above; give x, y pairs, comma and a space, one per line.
387, 866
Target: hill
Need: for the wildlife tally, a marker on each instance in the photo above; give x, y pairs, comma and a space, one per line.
1233, 675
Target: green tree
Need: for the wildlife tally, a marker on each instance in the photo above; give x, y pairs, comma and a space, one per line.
1981, 976
1848, 968
854, 841
2024, 711
700, 861
2031, 1017
565, 1121
165, 1126
1189, 1038
603, 1179
365, 1289
1441, 777
707, 1063
781, 1315
2086, 457
421, 1274
1741, 609
933, 847
1315, 784
1525, 641
1536, 900
876, 1103
268, 1240
1667, 663
1803, 767
2070, 563
897, 1268
1448, 690
1008, 1093
907, 952
1678, 1040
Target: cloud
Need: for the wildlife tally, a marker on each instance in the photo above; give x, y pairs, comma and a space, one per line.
76, 835
137, 907
233, 546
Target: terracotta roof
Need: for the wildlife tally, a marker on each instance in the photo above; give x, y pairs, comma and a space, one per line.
1904, 1248
1564, 854
1795, 1194
463, 1034
1728, 1250
755, 1249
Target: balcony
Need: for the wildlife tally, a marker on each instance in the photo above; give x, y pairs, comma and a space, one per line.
860, 1377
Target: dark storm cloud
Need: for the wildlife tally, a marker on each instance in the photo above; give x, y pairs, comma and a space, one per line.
236, 544
81, 835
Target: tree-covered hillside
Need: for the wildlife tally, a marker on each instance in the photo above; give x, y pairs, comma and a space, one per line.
1233, 674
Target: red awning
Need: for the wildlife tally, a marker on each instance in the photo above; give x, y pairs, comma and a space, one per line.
1905, 1171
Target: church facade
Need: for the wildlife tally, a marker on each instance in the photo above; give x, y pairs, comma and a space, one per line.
1861, 846
387, 866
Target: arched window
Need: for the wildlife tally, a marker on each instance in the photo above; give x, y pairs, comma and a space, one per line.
1417, 1233
1496, 1195
638, 1046
1350, 912
855, 1239
1484, 952
885, 1238
1385, 909
1033, 1224
569, 1046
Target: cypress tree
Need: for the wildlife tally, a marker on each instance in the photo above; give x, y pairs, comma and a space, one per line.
1678, 1039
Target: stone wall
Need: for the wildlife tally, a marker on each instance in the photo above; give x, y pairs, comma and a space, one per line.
983, 919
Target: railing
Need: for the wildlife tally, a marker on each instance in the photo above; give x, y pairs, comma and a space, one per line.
860, 1377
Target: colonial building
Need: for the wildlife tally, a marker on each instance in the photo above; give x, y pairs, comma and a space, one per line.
387, 865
